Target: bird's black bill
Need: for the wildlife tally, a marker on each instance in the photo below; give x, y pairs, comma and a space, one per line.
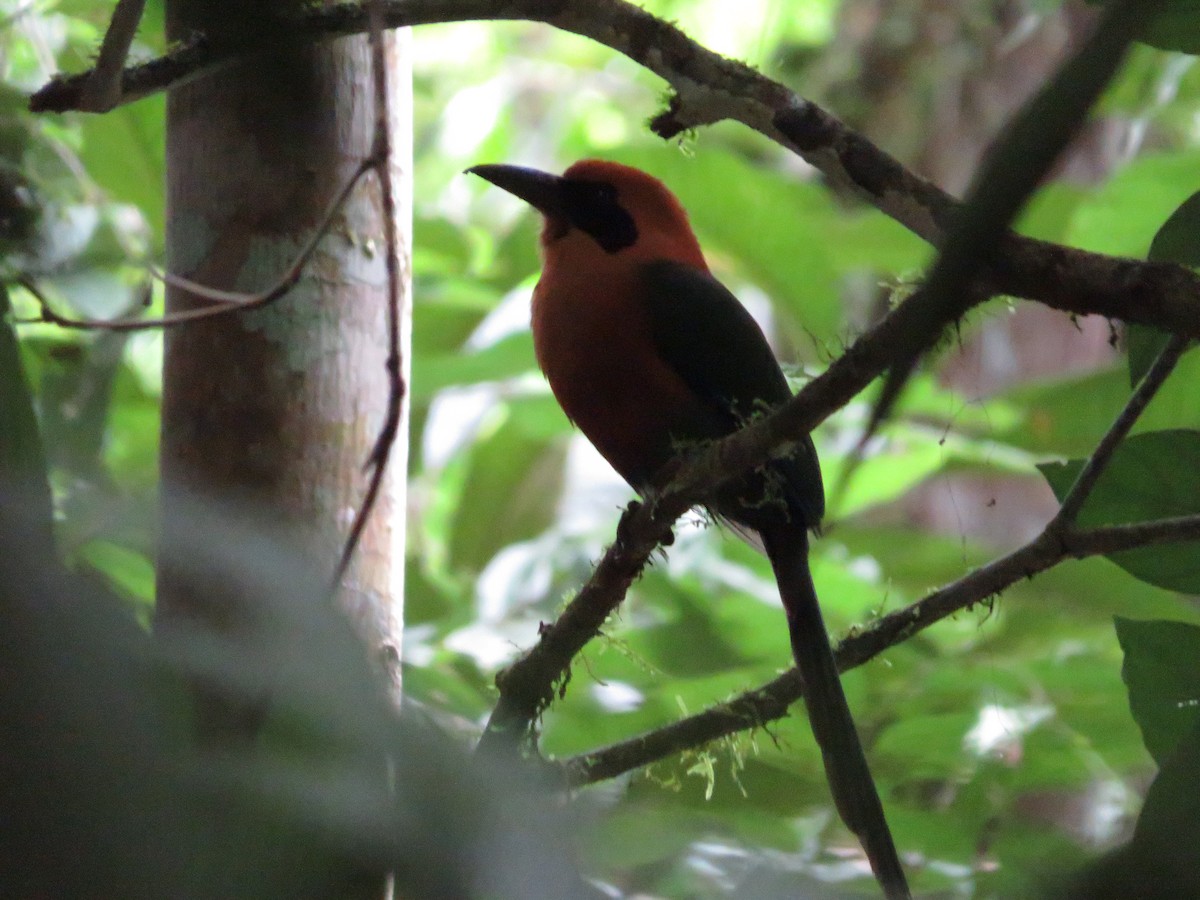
591, 206
541, 190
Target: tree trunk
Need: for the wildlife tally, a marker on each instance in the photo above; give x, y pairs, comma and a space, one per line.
272, 413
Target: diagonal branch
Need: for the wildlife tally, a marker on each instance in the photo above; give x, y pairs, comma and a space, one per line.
102, 90
709, 88
527, 686
1059, 540
1009, 175
772, 700
221, 303
1092, 470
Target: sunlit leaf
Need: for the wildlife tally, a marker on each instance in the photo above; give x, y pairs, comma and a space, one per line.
130, 572
511, 471
1176, 27
1057, 422
125, 152
1122, 216
1177, 241
506, 358
1163, 680
1155, 475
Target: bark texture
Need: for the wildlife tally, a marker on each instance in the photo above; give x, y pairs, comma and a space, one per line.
271, 414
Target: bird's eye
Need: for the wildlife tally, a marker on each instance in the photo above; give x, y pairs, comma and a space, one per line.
600, 193
595, 208
597, 194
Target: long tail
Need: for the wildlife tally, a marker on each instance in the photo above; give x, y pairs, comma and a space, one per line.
846, 768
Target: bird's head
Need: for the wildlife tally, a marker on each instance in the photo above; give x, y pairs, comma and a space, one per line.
616, 208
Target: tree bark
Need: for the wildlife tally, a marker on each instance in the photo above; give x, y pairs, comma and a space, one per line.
273, 413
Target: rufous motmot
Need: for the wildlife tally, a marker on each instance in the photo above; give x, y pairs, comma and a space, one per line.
649, 355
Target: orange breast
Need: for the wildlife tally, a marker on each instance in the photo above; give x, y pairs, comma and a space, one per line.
593, 342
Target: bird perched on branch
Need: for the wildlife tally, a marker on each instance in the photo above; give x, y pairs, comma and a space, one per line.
650, 356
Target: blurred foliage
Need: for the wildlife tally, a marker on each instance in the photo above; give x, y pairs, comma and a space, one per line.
1155, 475
1001, 741
1164, 684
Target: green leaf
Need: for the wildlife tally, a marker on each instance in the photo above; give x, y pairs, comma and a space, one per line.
882, 477
927, 746
1122, 214
131, 573
131, 442
1177, 27
1145, 343
22, 457
1177, 241
1080, 681
1048, 214
1163, 678
124, 150
639, 835
445, 312
1179, 238
510, 493
1151, 476
538, 415
1052, 760
506, 358
1056, 422
441, 248
447, 688
693, 644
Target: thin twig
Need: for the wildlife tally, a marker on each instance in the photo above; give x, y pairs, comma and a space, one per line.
1150, 384
527, 686
381, 161
709, 88
203, 291
102, 90
223, 302
771, 701
1008, 176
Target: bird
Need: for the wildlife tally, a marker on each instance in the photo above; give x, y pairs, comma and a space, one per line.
651, 357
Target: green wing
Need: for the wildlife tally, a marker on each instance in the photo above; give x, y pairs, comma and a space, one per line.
705, 334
